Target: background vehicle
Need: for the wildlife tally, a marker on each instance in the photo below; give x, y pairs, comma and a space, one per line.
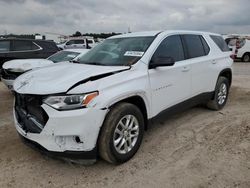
240, 46
102, 104
78, 43
14, 68
25, 48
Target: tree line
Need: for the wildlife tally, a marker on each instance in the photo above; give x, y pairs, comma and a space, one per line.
76, 34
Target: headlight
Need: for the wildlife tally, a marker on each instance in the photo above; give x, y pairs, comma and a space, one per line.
69, 102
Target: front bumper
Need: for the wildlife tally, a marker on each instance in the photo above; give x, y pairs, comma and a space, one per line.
8, 83
67, 155
67, 134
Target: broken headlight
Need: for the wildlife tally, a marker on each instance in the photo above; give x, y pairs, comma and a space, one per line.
69, 102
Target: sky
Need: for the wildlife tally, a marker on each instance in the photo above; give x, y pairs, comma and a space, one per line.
68, 16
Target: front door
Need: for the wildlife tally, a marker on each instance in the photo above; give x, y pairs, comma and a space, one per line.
170, 85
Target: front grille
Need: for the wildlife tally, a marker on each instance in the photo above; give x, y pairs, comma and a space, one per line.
29, 113
10, 75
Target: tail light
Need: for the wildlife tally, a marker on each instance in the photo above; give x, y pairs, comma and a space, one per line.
237, 44
233, 56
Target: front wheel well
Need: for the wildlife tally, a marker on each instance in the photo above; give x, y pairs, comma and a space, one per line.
139, 102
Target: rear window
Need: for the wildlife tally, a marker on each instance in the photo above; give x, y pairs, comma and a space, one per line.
4, 46
220, 42
194, 46
63, 56
47, 45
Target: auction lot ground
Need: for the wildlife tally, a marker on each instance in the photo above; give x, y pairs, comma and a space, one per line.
196, 148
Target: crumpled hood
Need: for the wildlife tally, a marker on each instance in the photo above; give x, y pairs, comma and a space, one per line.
59, 78
23, 65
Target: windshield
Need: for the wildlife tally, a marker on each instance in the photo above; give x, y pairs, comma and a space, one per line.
63, 56
117, 52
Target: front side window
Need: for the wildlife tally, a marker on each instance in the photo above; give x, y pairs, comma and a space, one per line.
194, 46
117, 51
63, 56
170, 47
70, 42
4, 46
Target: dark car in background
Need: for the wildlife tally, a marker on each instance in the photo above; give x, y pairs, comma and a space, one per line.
25, 48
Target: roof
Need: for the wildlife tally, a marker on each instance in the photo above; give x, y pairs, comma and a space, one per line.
137, 34
27, 39
154, 33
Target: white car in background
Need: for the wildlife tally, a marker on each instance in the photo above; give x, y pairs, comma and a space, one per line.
100, 106
240, 47
85, 43
14, 68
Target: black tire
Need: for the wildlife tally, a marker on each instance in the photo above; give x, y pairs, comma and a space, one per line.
107, 150
214, 104
246, 58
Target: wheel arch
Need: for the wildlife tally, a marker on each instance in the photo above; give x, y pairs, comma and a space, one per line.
138, 101
246, 53
227, 73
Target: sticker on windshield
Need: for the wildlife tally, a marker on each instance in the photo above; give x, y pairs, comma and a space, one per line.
71, 56
134, 53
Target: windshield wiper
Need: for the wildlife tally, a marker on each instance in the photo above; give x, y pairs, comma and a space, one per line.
74, 61
94, 63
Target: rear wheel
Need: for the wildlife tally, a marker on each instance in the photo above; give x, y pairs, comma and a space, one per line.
246, 58
121, 134
220, 95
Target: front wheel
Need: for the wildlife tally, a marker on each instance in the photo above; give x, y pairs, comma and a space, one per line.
220, 94
121, 134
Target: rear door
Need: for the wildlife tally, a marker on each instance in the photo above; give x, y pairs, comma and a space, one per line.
172, 84
197, 51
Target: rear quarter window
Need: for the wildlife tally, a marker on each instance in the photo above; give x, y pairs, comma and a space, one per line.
220, 42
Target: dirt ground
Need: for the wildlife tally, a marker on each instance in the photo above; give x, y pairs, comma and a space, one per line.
196, 148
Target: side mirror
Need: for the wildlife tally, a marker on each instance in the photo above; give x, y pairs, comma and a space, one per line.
161, 62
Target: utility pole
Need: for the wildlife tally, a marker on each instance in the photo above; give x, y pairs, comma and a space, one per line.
129, 31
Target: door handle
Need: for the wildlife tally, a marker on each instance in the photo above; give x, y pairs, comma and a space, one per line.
214, 62
185, 69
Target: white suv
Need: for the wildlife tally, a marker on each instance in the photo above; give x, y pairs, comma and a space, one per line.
101, 104
85, 43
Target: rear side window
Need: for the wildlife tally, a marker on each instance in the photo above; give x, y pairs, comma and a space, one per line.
24, 45
90, 41
171, 47
194, 46
4, 46
205, 45
220, 42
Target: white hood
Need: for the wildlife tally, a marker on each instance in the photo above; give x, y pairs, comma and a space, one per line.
23, 65
59, 78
